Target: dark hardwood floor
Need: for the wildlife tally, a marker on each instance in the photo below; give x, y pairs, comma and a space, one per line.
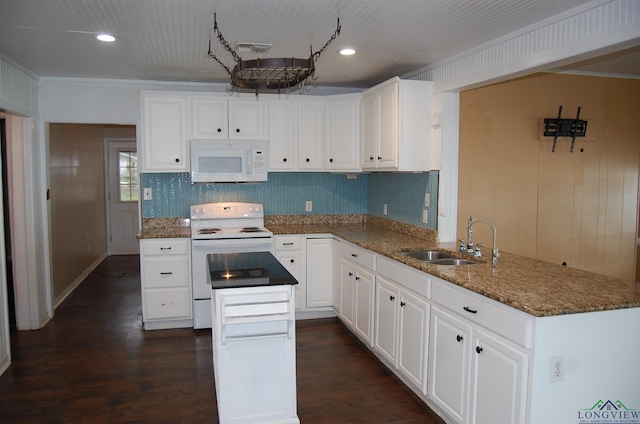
93, 363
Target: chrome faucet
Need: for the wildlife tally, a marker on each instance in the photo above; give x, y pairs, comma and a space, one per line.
495, 254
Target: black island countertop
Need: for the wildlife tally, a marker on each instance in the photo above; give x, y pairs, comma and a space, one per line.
254, 269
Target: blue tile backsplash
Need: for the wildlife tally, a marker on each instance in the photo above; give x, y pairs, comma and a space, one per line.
286, 194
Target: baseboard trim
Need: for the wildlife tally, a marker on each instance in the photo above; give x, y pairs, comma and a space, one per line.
58, 301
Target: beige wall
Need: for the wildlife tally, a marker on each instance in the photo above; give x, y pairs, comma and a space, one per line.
580, 208
78, 210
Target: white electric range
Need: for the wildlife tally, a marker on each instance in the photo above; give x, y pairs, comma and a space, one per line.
225, 227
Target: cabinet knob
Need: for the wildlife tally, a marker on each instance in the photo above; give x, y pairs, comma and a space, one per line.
357, 278
354, 255
351, 274
293, 260
370, 157
392, 298
478, 349
471, 311
237, 130
402, 304
177, 160
379, 157
331, 160
459, 338
219, 130
284, 159
307, 160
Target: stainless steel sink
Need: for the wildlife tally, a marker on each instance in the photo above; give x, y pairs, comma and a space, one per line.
428, 255
451, 261
436, 257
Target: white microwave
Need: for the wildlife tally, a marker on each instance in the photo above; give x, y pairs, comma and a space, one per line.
225, 161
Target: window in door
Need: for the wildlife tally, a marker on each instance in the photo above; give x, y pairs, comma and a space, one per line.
128, 176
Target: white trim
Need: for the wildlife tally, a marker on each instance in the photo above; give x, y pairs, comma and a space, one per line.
5, 340
448, 178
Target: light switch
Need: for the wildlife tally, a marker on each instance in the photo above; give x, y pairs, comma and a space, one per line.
147, 195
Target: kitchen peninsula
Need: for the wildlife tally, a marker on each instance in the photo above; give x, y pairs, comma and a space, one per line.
528, 313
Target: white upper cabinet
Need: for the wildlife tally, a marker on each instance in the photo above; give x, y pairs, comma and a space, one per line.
282, 149
164, 133
396, 127
342, 132
216, 117
310, 133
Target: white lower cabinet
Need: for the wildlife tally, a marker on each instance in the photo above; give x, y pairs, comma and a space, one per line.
477, 375
310, 260
356, 286
402, 330
289, 250
165, 272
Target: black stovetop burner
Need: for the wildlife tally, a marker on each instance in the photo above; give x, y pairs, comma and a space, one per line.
209, 231
251, 230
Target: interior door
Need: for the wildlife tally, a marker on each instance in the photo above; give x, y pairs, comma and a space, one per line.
123, 195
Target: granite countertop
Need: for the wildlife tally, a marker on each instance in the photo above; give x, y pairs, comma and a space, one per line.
536, 287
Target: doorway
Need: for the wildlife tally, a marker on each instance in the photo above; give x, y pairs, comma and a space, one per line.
123, 189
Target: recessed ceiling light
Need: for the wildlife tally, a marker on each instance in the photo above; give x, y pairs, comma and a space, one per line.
347, 52
106, 37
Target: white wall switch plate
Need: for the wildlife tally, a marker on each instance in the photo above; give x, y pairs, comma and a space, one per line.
308, 206
148, 195
425, 216
427, 199
384, 209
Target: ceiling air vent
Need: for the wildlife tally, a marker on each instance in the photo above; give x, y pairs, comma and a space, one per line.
244, 46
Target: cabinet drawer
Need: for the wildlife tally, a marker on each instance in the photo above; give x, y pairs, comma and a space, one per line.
494, 316
358, 255
166, 272
287, 243
165, 246
167, 303
415, 280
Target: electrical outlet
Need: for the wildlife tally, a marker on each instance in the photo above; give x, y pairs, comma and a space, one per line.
425, 216
427, 198
148, 195
384, 209
557, 368
308, 206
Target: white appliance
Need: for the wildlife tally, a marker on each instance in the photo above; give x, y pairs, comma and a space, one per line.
227, 227
228, 161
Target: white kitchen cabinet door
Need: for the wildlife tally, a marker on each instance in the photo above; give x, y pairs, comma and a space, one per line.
292, 261
388, 127
247, 119
164, 134
370, 131
342, 132
209, 118
290, 252
347, 301
498, 374
310, 134
282, 155
449, 363
364, 282
386, 319
414, 339
319, 272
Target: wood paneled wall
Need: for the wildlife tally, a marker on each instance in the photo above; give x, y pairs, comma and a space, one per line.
580, 208
78, 210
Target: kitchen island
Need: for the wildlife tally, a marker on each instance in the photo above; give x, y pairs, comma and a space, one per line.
254, 343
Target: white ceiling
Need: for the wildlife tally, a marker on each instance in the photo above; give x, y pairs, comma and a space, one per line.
167, 40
